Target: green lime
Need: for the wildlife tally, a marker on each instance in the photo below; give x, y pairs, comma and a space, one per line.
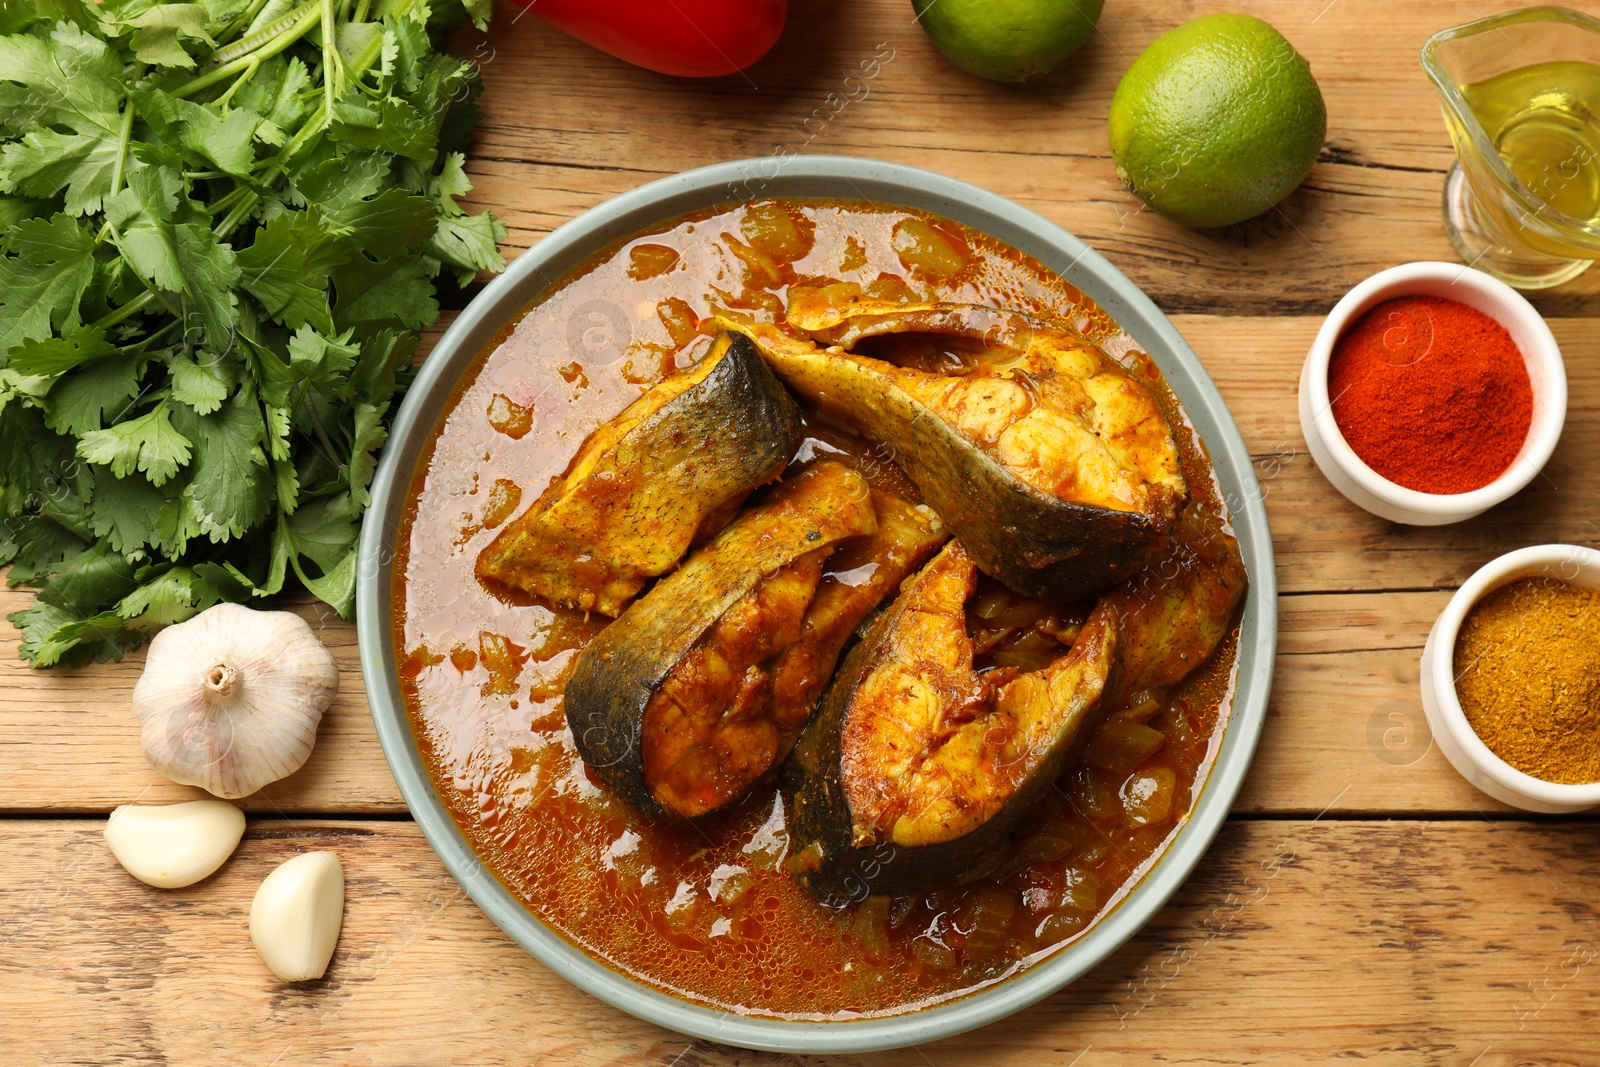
1008, 40
1217, 121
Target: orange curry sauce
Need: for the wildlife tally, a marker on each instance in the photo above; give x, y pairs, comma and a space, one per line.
706, 910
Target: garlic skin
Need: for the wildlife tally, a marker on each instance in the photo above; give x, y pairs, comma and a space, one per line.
170, 846
296, 915
230, 700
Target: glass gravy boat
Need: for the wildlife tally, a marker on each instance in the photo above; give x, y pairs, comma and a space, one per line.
1522, 100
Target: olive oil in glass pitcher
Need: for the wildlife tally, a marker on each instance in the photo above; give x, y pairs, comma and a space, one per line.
1522, 102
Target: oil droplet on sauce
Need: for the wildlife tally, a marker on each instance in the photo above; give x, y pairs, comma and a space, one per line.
504, 662
504, 496
651, 261
509, 417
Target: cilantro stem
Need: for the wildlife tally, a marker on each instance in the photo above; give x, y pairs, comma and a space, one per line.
332, 62
256, 47
123, 137
229, 199
239, 22
240, 212
328, 451
249, 72
145, 341
151, 289
266, 33
132, 307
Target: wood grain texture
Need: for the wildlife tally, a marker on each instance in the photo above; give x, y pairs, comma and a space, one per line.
69, 741
1295, 942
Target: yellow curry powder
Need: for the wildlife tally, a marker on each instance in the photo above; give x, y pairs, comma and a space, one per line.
1527, 664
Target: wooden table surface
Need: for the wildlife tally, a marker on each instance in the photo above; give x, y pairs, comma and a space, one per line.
1363, 903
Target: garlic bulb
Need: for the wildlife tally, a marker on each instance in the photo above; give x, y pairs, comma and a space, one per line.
295, 918
174, 845
230, 700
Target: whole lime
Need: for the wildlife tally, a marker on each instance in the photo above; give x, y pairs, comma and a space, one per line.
1216, 121
1008, 40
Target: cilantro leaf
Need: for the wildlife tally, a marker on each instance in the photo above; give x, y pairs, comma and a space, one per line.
278, 94
209, 271
158, 31
391, 224
148, 443
479, 12
337, 182
47, 161
280, 269
171, 596
202, 384
126, 512
41, 284
93, 576
389, 289
61, 94
142, 213
53, 634
323, 361
36, 467
229, 488
326, 530
390, 125
79, 402
15, 209
470, 243
17, 16
382, 354
57, 355
366, 437
67, 78
43, 547
223, 140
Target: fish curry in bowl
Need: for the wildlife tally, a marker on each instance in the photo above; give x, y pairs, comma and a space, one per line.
816, 610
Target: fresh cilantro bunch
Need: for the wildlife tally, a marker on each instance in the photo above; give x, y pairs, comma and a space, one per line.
220, 226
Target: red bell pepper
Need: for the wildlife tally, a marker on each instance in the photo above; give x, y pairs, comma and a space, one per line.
688, 38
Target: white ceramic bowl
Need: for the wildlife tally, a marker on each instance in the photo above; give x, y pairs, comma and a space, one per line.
1460, 745
1371, 490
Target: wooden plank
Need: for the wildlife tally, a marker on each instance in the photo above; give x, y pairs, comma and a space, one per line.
1345, 729
69, 741
1296, 942
566, 127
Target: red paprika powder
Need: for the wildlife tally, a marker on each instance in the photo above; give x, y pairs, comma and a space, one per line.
1431, 394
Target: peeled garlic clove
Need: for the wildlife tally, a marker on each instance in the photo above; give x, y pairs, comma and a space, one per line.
296, 915
174, 845
230, 700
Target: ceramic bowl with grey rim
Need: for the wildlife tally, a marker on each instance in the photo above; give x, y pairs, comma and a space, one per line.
837, 178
